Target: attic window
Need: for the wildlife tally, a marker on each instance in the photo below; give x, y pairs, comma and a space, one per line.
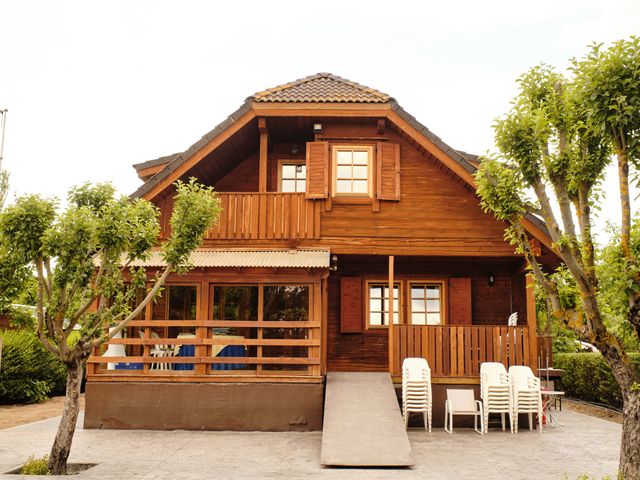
352, 166
292, 176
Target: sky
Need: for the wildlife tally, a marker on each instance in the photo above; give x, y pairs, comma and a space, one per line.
92, 87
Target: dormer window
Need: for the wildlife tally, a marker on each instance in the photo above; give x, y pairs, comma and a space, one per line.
292, 176
352, 171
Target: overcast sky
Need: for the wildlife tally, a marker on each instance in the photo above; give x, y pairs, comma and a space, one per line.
93, 87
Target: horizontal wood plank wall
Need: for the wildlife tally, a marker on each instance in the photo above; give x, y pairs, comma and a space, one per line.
458, 351
266, 216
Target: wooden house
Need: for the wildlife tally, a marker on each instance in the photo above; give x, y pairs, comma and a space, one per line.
333, 197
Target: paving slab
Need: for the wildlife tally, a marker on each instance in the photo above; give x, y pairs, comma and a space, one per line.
362, 424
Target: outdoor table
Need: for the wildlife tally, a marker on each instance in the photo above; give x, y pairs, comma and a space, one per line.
230, 351
186, 350
548, 398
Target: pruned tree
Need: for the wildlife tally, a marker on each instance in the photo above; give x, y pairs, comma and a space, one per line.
561, 134
82, 258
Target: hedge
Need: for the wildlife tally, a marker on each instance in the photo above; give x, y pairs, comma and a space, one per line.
29, 373
587, 377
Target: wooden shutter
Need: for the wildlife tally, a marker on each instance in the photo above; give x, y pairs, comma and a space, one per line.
460, 301
317, 170
388, 174
350, 305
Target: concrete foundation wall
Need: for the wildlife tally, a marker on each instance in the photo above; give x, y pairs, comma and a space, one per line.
204, 406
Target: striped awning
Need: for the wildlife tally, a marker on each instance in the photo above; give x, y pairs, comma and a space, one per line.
247, 258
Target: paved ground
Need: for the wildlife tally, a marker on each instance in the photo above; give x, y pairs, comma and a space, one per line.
584, 445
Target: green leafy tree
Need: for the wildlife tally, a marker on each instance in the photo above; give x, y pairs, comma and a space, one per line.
81, 257
562, 133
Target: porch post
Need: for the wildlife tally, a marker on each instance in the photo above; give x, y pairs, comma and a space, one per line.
391, 326
264, 141
532, 323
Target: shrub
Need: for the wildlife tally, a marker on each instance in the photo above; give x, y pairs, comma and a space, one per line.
587, 377
36, 466
29, 373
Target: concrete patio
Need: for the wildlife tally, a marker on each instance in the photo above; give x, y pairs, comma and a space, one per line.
584, 445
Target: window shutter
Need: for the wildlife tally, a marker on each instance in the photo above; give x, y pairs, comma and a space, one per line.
460, 301
388, 175
350, 305
317, 170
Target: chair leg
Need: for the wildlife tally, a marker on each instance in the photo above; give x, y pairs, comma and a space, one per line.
530, 421
502, 418
485, 421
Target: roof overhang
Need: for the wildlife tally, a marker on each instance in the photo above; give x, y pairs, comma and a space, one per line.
230, 258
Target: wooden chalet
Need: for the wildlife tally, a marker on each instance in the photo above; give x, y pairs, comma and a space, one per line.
333, 197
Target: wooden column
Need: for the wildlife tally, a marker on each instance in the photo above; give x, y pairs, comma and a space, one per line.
264, 144
532, 323
391, 327
202, 333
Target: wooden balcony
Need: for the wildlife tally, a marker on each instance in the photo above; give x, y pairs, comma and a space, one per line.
458, 351
266, 216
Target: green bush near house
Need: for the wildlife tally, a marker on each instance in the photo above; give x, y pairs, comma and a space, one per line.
28, 372
587, 377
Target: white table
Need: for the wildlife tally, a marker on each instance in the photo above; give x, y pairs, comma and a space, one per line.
548, 399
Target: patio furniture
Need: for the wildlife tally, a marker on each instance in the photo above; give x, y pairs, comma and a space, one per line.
495, 392
416, 390
185, 350
159, 351
526, 395
462, 402
549, 398
512, 321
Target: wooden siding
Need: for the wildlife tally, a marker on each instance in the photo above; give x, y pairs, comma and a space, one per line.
458, 351
266, 216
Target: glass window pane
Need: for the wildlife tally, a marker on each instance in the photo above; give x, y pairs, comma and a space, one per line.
417, 305
396, 318
360, 186
375, 291
344, 172
288, 186
360, 158
300, 186
302, 171
288, 171
433, 319
360, 172
289, 303
343, 186
433, 291
417, 318
235, 303
375, 318
375, 305
417, 291
182, 302
433, 305
344, 157
286, 333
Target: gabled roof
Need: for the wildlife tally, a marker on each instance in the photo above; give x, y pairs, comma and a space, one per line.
155, 162
321, 88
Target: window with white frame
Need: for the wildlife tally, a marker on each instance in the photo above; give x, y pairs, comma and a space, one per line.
426, 304
292, 176
378, 306
352, 167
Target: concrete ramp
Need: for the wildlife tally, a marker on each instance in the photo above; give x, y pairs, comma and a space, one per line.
363, 424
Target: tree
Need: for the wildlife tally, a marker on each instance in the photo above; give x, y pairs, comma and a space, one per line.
81, 257
562, 133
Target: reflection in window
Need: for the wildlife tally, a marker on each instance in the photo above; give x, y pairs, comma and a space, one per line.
293, 177
426, 304
235, 303
182, 302
288, 303
379, 304
352, 171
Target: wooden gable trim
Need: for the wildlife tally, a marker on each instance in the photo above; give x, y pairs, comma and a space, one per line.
320, 109
460, 171
198, 155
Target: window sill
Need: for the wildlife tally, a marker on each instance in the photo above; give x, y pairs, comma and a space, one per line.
352, 200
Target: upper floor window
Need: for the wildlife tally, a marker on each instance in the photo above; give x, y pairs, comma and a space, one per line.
352, 170
292, 176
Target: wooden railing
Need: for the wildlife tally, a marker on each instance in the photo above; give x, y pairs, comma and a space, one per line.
458, 351
267, 349
266, 216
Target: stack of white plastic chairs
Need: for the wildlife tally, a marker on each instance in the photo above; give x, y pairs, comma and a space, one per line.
526, 396
495, 392
416, 390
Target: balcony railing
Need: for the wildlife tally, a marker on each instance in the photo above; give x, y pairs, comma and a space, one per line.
266, 216
206, 348
458, 351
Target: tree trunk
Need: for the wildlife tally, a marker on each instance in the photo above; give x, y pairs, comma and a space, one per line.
630, 446
67, 427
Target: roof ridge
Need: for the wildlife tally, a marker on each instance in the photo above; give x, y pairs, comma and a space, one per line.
310, 78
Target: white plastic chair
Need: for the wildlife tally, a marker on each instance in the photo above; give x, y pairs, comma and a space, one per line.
416, 390
159, 351
495, 392
525, 395
462, 402
512, 321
